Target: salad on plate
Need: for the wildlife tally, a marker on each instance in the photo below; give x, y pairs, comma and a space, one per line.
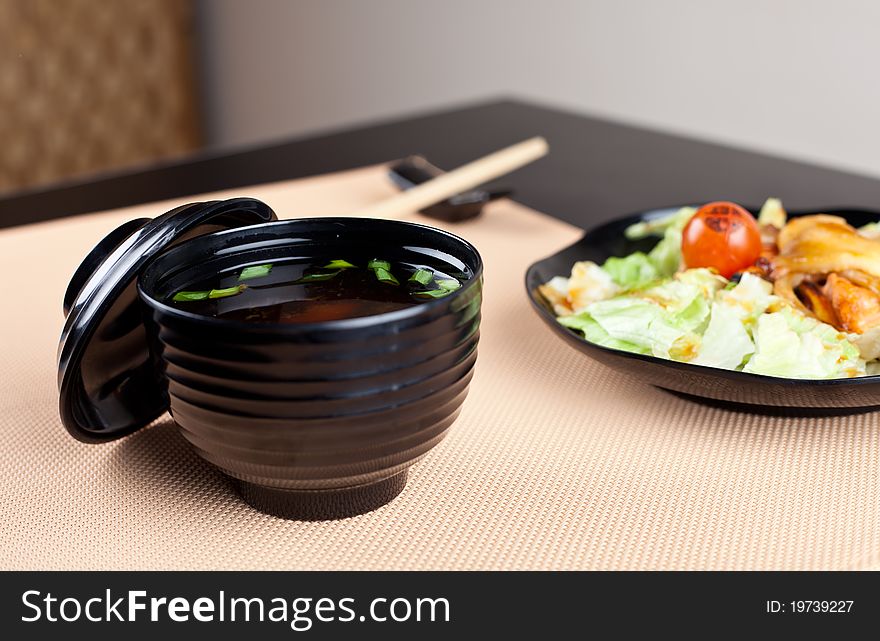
796, 298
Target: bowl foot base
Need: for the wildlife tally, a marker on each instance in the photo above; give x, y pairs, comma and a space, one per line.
322, 505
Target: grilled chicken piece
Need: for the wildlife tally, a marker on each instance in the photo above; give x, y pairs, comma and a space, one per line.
862, 279
823, 244
857, 308
817, 302
797, 226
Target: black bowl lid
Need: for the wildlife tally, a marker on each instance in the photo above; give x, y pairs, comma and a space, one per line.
109, 381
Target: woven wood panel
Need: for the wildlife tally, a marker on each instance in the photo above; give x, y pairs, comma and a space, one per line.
89, 85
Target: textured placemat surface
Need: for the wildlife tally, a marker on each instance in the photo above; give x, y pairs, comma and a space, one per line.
555, 463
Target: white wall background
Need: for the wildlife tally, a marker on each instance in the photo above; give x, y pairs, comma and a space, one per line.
799, 78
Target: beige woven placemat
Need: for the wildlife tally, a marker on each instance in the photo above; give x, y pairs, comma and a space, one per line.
556, 461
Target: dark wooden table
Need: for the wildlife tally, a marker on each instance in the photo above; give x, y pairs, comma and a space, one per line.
596, 169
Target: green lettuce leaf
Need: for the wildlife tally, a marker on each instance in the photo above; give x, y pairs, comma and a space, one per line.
632, 272
772, 213
652, 328
666, 255
594, 333
658, 226
871, 230
791, 345
708, 281
749, 298
696, 317
726, 343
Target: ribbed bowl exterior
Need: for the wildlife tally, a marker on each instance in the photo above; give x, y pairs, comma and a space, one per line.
318, 407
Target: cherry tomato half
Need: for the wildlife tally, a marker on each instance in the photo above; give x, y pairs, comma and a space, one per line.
721, 235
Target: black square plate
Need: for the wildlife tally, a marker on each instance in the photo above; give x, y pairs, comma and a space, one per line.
730, 389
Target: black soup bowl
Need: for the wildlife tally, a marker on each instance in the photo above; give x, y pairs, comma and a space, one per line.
315, 420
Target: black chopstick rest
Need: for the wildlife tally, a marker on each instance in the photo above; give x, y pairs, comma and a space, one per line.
416, 170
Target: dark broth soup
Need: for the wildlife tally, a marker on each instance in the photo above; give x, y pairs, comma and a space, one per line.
315, 290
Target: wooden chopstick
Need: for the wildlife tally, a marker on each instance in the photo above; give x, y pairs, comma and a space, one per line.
459, 180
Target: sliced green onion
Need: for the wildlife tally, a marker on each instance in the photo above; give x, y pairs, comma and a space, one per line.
422, 277
386, 276
445, 287
339, 264
316, 278
434, 293
255, 271
228, 291
382, 269
188, 296
375, 264
448, 285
